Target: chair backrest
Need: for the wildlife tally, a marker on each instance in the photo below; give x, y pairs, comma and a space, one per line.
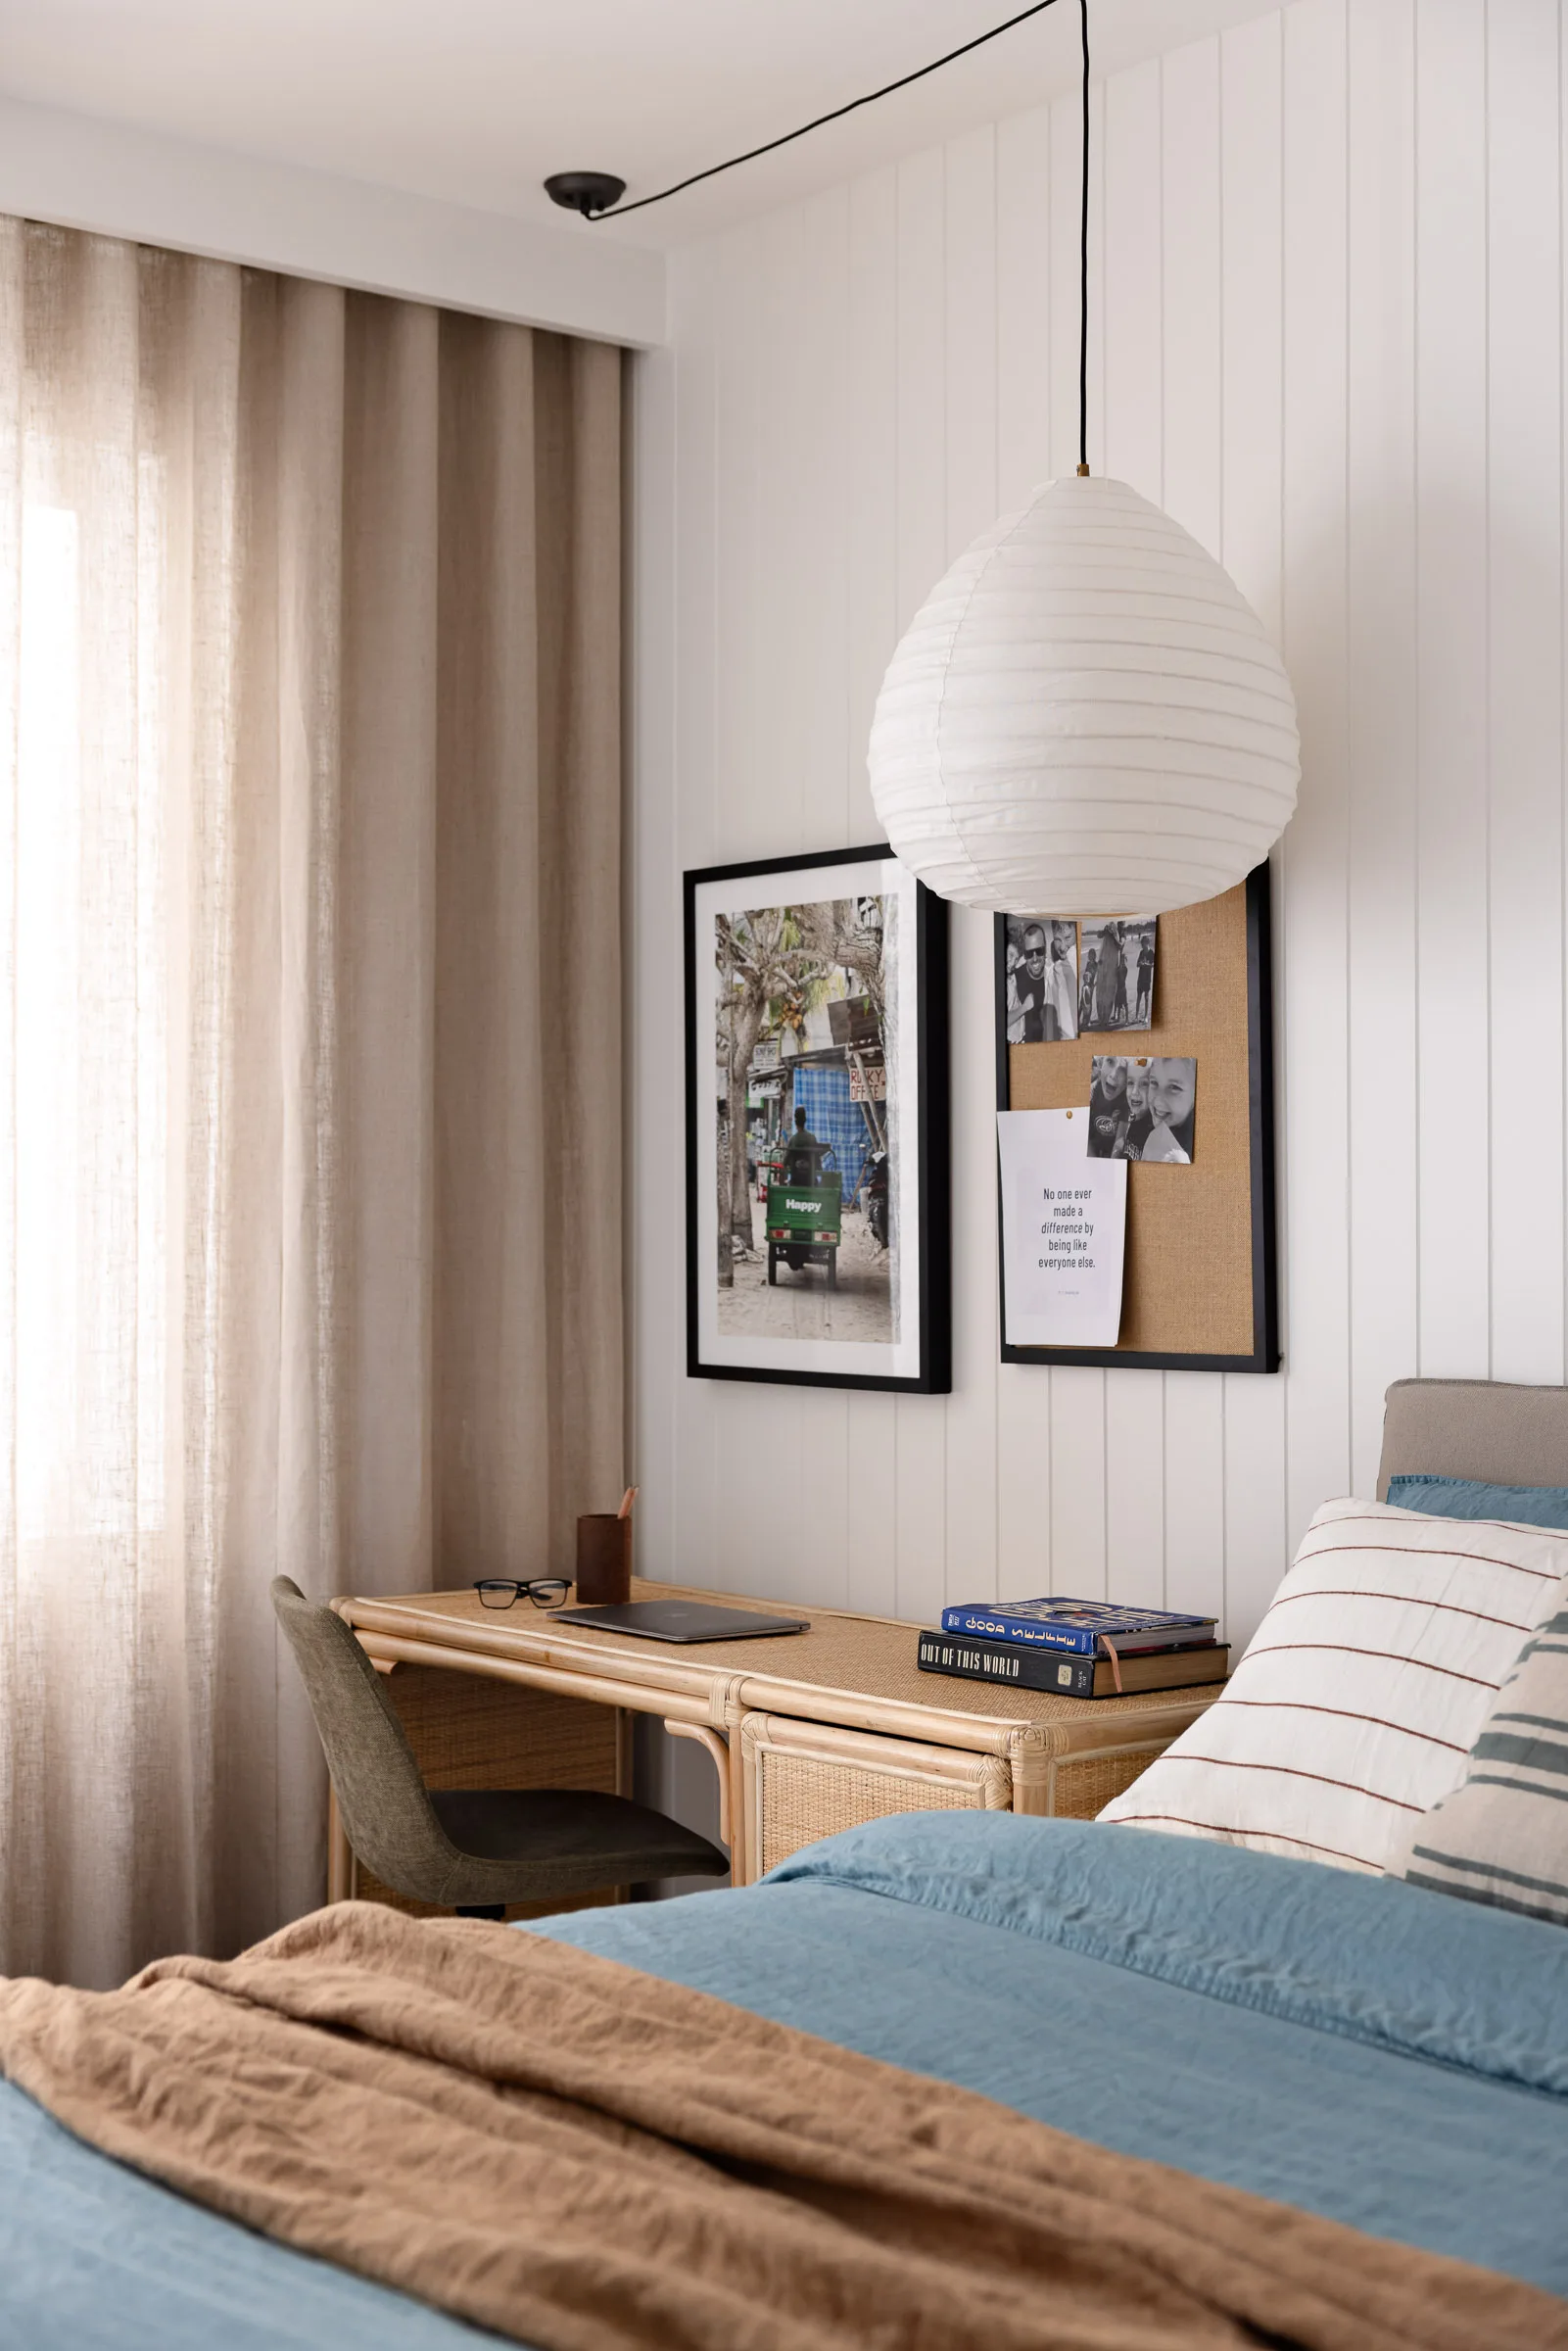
390, 1820
1482, 1428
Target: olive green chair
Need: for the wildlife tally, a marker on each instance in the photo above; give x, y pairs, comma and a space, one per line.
468, 1849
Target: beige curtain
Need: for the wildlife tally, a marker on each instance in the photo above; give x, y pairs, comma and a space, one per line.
310, 1049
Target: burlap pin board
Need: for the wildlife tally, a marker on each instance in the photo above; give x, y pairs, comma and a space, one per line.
1198, 1281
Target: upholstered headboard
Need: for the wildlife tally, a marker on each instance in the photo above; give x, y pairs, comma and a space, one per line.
1482, 1428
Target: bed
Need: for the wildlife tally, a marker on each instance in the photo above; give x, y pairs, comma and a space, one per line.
1344, 2044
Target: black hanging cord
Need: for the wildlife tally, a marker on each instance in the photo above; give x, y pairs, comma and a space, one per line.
1083, 262
619, 210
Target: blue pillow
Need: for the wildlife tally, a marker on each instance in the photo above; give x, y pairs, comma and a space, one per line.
1468, 1498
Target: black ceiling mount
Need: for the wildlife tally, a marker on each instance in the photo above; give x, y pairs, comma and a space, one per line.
579, 189
587, 192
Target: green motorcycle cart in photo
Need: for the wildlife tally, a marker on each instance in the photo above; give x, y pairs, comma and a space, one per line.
804, 1227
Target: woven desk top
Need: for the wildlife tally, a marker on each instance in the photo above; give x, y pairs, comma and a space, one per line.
846, 1669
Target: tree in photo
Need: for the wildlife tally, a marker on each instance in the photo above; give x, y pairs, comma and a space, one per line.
757, 955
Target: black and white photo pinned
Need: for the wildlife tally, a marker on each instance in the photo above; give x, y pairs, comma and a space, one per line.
1143, 1107
1042, 979
1116, 972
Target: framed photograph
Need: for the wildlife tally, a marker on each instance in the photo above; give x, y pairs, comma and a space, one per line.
817, 1210
1190, 1112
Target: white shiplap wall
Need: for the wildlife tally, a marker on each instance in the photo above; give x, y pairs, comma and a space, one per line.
1327, 255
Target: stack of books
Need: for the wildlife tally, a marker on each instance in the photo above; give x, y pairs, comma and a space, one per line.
1075, 1647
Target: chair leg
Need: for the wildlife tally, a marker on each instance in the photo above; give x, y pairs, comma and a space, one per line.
480, 1909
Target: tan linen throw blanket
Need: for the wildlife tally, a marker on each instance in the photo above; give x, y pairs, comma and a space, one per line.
588, 2159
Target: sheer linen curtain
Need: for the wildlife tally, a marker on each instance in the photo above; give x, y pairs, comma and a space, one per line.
309, 1035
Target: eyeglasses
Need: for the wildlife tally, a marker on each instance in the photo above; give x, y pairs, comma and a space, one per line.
500, 1591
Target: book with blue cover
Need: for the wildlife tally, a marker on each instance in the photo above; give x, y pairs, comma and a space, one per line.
1076, 1625
1171, 1666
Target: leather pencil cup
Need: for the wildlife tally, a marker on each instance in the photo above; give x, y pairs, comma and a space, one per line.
603, 1559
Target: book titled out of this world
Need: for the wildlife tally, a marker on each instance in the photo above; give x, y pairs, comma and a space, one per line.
1065, 1674
1077, 1625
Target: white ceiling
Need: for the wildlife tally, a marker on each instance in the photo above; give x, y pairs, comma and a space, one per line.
474, 101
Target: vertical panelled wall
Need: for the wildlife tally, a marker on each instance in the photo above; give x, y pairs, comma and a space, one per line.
1326, 255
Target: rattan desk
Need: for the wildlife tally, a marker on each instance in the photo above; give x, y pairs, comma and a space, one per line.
809, 1733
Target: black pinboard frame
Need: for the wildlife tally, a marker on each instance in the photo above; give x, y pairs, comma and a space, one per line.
1200, 1285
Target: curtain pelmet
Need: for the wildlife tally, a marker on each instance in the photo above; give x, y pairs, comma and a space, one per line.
310, 1055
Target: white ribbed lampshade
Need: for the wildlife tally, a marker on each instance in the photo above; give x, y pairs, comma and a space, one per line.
1085, 717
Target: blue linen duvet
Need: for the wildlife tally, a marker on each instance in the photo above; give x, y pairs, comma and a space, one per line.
1388, 2057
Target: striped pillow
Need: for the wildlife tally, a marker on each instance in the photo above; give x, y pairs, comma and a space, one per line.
1365, 1686
1502, 1837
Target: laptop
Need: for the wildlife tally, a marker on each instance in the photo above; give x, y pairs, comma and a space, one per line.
679, 1620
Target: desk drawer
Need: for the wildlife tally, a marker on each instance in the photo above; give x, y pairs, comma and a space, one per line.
805, 1780
1078, 1786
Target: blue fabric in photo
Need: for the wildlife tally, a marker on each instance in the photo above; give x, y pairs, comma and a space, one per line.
821, 1091
1470, 1497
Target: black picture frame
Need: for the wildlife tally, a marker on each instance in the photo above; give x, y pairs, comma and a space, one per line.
932, 1254
1264, 1353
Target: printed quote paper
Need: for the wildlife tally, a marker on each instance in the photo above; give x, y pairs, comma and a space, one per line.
1064, 1231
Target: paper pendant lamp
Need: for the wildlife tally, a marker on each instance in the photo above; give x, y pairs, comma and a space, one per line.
1085, 717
